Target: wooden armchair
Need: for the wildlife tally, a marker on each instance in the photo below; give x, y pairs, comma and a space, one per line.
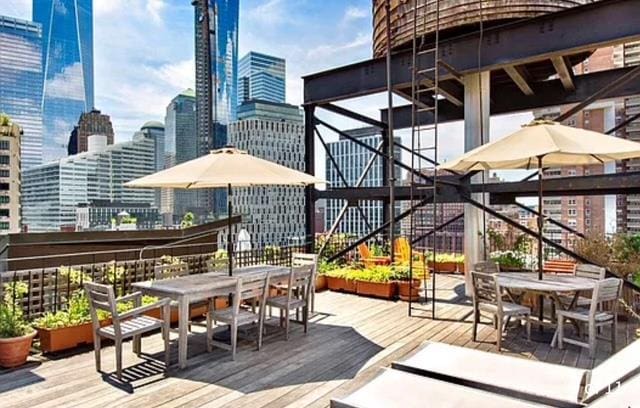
300, 282
368, 259
131, 324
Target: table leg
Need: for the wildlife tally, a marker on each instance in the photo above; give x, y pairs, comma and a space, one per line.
183, 326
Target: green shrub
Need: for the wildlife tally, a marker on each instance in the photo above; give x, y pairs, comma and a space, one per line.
12, 323
509, 259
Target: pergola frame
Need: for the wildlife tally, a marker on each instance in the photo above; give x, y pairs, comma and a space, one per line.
507, 50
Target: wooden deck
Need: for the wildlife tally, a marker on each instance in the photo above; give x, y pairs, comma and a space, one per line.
349, 339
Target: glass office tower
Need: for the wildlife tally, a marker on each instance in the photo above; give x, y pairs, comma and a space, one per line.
67, 55
262, 77
20, 83
216, 39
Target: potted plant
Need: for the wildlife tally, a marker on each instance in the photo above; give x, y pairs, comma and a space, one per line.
376, 281
16, 335
509, 260
445, 263
321, 277
407, 288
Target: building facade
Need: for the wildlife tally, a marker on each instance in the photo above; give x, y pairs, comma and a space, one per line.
104, 215
261, 77
352, 160
216, 46
67, 58
628, 206
154, 130
91, 123
181, 145
52, 192
21, 83
10, 176
274, 132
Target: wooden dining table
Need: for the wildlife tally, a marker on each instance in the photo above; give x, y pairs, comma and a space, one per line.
201, 287
552, 286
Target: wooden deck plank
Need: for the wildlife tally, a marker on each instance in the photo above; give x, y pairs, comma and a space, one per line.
351, 338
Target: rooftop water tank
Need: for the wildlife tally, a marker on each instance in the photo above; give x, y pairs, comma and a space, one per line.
456, 17
96, 143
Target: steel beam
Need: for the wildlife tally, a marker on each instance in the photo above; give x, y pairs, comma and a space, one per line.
309, 168
547, 93
571, 31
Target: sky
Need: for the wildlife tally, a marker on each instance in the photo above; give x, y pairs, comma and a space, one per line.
144, 56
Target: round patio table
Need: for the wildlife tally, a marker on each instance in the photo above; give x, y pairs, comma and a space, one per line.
551, 286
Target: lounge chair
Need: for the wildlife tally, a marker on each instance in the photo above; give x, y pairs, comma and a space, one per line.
370, 260
550, 384
394, 388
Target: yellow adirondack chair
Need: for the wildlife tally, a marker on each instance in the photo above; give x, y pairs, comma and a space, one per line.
402, 252
368, 259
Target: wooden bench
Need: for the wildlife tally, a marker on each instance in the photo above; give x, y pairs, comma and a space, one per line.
559, 266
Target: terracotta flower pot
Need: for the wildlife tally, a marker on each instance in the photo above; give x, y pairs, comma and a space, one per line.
408, 290
386, 290
14, 351
446, 267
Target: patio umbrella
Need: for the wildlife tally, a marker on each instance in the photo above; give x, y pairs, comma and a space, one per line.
244, 241
543, 144
227, 167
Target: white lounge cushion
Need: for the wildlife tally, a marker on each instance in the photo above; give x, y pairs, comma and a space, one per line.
393, 388
618, 367
497, 372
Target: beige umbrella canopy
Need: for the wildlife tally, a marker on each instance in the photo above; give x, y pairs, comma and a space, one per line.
543, 144
224, 167
558, 145
227, 167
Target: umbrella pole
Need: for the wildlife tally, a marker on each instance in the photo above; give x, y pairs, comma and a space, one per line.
540, 227
229, 234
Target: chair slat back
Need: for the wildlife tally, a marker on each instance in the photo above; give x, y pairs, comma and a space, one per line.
607, 290
253, 286
485, 288
487, 267
301, 277
101, 297
589, 271
171, 271
298, 259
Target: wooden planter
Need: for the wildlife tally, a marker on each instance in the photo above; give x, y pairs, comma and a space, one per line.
460, 267
14, 351
446, 267
386, 290
407, 290
321, 283
65, 338
341, 285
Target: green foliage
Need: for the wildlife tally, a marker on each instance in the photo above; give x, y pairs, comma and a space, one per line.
12, 323
377, 274
171, 260
445, 257
324, 267
188, 220
5, 120
509, 259
220, 254
272, 252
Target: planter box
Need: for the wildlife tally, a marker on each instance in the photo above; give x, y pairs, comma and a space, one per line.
321, 283
460, 267
385, 290
407, 290
341, 285
65, 338
446, 267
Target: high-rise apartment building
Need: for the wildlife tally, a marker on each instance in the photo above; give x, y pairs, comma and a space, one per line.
52, 192
21, 83
181, 145
91, 123
261, 77
216, 44
274, 132
67, 58
628, 206
10, 136
352, 160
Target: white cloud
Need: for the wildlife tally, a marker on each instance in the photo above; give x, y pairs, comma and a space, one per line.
152, 9
179, 75
67, 84
327, 50
268, 13
355, 13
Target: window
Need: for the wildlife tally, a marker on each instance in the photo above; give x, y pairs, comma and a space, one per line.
4, 173
4, 159
4, 199
5, 145
4, 212
4, 225
572, 212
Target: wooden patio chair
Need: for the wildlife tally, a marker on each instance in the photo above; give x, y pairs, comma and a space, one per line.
172, 271
607, 290
487, 267
247, 288
131, 324
588, 271
300, 281
368, 259
487, 297
301, 259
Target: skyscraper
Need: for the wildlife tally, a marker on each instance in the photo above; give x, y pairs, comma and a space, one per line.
21, 83
181, 145
155, 131
216, 44
262, 77
271, 131
67, 58
90, 123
